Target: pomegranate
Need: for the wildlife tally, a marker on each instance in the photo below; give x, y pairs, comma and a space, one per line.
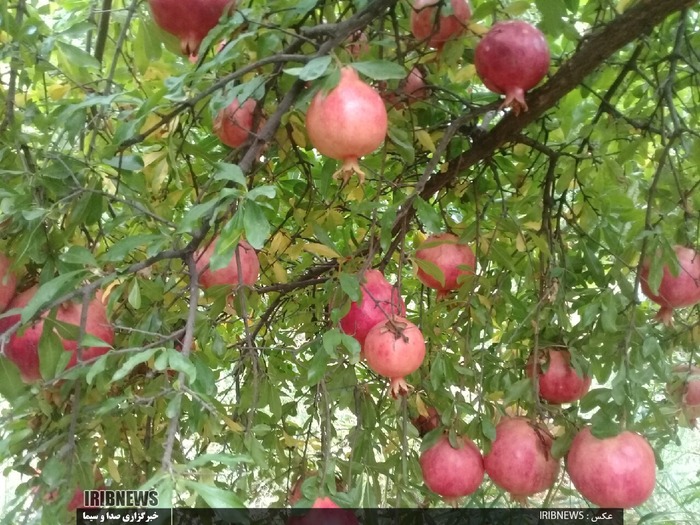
512, 58
425, 424
228, 275
295, 493
675, 292
520, 460
411, 89
348, 122
325, 511
378, 302
189, 20
395, 348
8, 282
560, 383
684, 390
357, 44
234, 123
450, 256
452, 472
438, 23
23, 347
614, 472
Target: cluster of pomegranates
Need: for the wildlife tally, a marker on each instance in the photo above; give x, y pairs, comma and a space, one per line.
391, 345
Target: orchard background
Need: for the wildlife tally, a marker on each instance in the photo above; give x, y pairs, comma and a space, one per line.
111, 176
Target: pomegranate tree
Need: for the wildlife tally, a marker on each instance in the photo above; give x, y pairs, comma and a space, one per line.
684, 390
23, 347
395, 348
520, 460
229, 275
234, 123
378, 302
348, 122
512, 58
437, 21
452, 472
614, 472
674, 291
559, 383
189, 20
451, 258
8, 282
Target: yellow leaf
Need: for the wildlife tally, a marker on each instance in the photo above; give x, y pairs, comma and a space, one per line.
230, 423
422, 410
357, 194
520, 243
279, 244
294, 251
334, 218
321, 250
477, 29
520, 149
57, 91
463, 74
484, 301
419, 238
425, 140
113, 470
292, 442
280, 273
533, 225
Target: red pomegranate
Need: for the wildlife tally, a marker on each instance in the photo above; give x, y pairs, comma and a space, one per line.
512, 58
425, 424
614, 472
412, 89
189, 20
452, 472
675, 292
560, 383
437, 22
8, 282
228, 275
357, 44
395, 348
234, 123
520, 460
23, 347
347, 123
325, 511
684, 390
446, 253
378, 302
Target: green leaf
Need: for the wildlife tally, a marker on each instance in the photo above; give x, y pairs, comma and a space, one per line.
215, 497
120, 251
97, 367
50, 353
380, 69
179, 362
49, 291
350, 284
230, 172
135, 295
255, 224
132, 362
11, 384
428, 216
317, 367
79, 255
432, 269
313, 69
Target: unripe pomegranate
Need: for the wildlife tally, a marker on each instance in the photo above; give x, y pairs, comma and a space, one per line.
228, 275
614, 472
378, 302
189, 20
520, 460
8, 282
450, 256
395, 348
347, 123
560, 383
438, 22
452, 472
23, 347
425, 424
234, 124
675, 292
512, 58
684, 390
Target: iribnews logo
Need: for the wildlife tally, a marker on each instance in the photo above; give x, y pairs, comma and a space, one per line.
120, 498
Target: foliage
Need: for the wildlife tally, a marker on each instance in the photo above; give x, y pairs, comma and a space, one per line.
111, 177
